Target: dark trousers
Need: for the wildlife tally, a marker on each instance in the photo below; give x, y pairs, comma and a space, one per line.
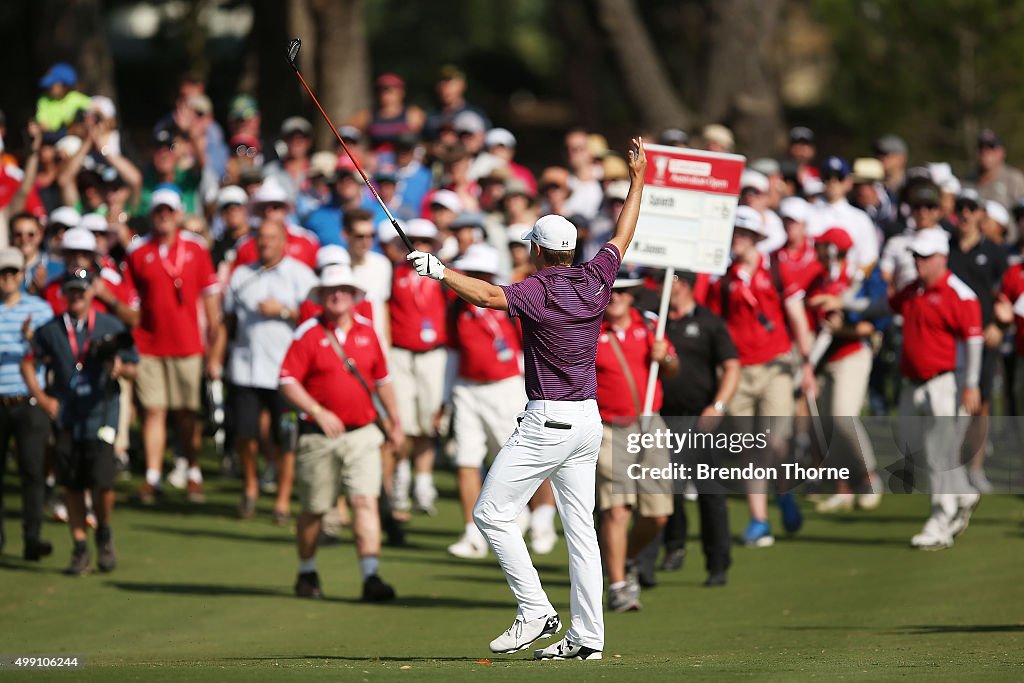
714, 530
30, 427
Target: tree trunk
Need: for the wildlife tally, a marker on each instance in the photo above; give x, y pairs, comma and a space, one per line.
742, 79
343, 63
583, 55
75, 32
647, 82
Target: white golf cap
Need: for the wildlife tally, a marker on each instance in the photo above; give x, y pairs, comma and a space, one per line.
813, 186
296, 124
69, 145
997, 212
755, 180
93, 222
11, 257
78, 239
421, 228
65, 215
617, 189
447, 199
322, 164
515, 232
499, 136
165, 197
386, 232
104, 105
553, 232
795, 209
929, 242
749, 219
479, 258
269, 192
333, 255
468, 122
232, 194
337, 275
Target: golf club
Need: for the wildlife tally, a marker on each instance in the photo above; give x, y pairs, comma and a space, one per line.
293, 53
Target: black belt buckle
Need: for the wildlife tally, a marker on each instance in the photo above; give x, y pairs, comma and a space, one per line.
555, 424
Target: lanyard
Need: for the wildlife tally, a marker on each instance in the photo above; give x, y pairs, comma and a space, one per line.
490, 322
179, 263
73, 338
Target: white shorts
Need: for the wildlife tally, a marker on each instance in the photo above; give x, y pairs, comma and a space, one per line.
485, 415
419, 388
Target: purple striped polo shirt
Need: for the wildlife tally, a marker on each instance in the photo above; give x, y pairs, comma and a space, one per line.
561, 309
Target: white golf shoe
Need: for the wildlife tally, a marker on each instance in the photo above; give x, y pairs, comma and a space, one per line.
935, 535
522, 634
469, 547
966, 505
567, 649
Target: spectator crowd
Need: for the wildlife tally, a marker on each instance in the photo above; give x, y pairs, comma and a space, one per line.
139, 284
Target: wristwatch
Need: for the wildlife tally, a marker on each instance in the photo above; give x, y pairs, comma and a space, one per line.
720, 406
285, 314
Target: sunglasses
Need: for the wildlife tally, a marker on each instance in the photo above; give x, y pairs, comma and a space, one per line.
362, 236
923, 207
9, 272
275, 206
19, 235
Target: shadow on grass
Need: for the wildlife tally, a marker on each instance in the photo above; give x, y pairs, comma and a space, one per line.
444, 559
353, 659
224, 590
564, 583
284, 537
940, 629
838, 540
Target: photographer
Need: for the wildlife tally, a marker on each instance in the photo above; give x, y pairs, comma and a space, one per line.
87, 352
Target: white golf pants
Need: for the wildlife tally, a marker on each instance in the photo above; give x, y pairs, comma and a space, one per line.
541, 448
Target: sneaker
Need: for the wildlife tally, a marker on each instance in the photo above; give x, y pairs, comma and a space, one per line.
424, 501
81, 564
307, 585
90, 520
326, 540
375, 590
715, 580
792, 518
758, 534
122, 466
522, 634
106, 559
195, 492
837, 502
247, 508
935, 535
625, 599
871, 499
979, 481
469, 547
567, 649
60, 512
966, 506
178, 477
281, 517
543, 540
147, 494
393, 529
673, 560
36, 550
268, 480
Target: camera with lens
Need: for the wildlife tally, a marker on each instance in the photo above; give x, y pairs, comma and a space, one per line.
106, 347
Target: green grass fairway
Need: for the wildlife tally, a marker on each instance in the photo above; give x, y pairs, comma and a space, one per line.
202, 596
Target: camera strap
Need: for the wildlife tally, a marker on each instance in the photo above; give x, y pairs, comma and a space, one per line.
71, 328
350, 366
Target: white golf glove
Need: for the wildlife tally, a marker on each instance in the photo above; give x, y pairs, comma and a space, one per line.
427, 265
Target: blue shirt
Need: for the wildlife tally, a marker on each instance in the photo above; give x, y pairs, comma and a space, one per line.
12, 344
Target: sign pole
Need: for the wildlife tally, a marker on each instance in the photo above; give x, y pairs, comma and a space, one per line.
659, 333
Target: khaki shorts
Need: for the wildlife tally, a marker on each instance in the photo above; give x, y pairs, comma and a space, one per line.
169, 383
766, 391
419, 387
652, 497
349, 464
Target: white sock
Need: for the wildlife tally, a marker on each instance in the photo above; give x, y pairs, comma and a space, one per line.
543, 517
369, 565
306, 566
473, 533
424, 481
195, 474
153, 477
617, 585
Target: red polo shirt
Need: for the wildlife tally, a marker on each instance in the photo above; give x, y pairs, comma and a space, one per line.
311, 309
487, 341
121, 287
614, 399
934, 319
823, 284
169, 324
1013, 289
418, 310
312, 362
753, 312
797, 267
302, 246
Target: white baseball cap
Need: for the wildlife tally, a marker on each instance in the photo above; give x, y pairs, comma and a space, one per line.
553, 232
270, 191
69, 145
93, 222
420, 227
104, 105
479, 258
499, 136
447, 199
929, 242
65, 215
813, 186
749, 219
78, 239
468, 122
997, 212
337, 275
795, 209
755, 180
386, 232
165, 197
332, 255
617, 189
232, 194
514, 233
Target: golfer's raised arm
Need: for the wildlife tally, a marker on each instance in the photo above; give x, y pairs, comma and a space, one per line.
476, 292
626, 224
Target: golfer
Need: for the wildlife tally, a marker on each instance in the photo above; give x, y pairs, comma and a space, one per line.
559, 434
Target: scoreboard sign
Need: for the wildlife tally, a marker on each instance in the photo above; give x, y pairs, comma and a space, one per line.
688, 208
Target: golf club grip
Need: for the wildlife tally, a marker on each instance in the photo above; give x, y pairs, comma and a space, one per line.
405, 238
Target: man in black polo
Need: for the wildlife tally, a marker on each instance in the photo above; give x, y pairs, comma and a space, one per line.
704, 347
85, 352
